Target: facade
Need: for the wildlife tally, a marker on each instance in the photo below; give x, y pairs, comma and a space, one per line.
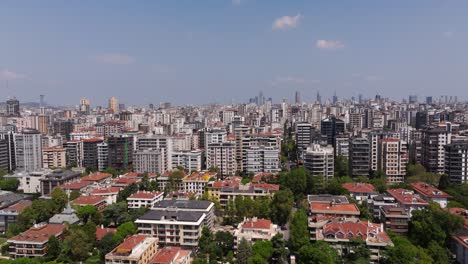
120, 151
303, 135
136, 249
456, 162
149, 161
90, 152
431, 193
408, 200
33, 242
189, 160
172, 255
8, 139
28, 150
13, 107
255, 229
262, 159
433, 153
223, 157
74, 151
4, 157
56, 178
253, 191
113, 105
359, 157
204, 207
144, 199
102, 156
360, 191
393, 158
395, 219
331, 128
96, 201
54, 157
9, 215
319, 160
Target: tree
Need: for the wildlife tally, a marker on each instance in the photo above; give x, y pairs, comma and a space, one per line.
87, 212
357, 250
116, 214
341, 166
281, 206
60, 198
299, 231
53, 248
318, 253
225, 241
108, 242
244, 251
256, 259
404, 252
295, 180
264, 249
280, 252
79, 244
126, 229
9, 184
127, 192
74, 194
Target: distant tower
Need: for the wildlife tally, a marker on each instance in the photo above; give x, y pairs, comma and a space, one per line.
85, 106
113, 105
261, 99
298, 97
319, 98
335, 98
13, 107
41, 100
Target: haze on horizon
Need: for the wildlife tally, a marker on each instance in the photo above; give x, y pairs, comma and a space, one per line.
195, 52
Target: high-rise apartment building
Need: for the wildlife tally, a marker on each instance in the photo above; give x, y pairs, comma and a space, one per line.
433, 140
63, 127
90, 152
319, 160
393, 158
85, 106
74, 150
4, 159
223, 157
28, 150
456, 162
303, 135
102, 156
13, 107
120, 151
9, 140
113, 105
54, 157
149, 161
262, 159
359, 157
332, 127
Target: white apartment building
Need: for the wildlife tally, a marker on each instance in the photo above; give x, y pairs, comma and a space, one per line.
319, 160
393, 158
103, 161
158, 142
144, 199
189, 160
54, 157
262, 159
136, 249
255, 229
223, 157
149, 160
28, 150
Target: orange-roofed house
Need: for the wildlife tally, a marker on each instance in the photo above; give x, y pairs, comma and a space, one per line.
136, 249
172, 255
80, 186
96, 201
339, 234
102, 231
430, 193
99, 177
109, 193
10, 214
144, 199
408, 199
255, 229
33, 242
359, 191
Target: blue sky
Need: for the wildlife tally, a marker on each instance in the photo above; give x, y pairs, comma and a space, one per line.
194, 52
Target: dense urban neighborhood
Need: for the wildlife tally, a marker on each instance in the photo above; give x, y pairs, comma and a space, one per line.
360, 180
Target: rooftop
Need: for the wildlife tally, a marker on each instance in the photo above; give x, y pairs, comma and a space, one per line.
99, 176
358, 187
145, 195
172, 215
334, 208
183, 204
406, 197
38, 234
88, 200
428, 190
169, 255
255, 223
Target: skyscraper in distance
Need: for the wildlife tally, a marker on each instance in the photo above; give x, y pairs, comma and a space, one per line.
113, 105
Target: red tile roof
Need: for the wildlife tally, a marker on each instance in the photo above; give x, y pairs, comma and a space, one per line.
257, 224
406, 197
38, 234
77, 185
89, 200
168, 255
357, 187
102, 231
428, 190
266, 186
93, 140
19, 206
462, 212
261, 176
339, 208
104, 191
131, 242
348, 230
145, 195
99, 176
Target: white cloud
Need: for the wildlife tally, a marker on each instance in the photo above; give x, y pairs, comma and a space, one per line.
329, 44
286, 22
115, 58
6, 74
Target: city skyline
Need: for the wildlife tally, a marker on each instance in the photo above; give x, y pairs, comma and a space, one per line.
227, 51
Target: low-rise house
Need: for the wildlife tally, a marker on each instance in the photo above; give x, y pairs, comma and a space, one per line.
97, 177
459, 246
144, 199
408, 200
68, 215
172, 255
176, 195
214, 188
96, 201
108, 193
396, 219
431, 193
79, 186
251, 190
173, 227
359, 191
123, 182
102, 231
57, 178
374, 203
339, 234
33, 242
9, 215
255, 229
197, 181
136, 249
206, 207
